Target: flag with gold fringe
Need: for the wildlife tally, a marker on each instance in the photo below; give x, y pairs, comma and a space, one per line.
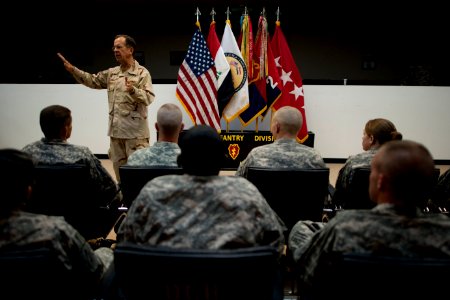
265, 86
197, 83
245, 42
292, 86
224, 80
240, 100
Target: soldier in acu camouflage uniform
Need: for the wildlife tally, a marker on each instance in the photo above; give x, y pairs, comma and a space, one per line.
285, 151
130, 92
56, 124
201, 209
401, 178
169, 123
376, 133
20, 229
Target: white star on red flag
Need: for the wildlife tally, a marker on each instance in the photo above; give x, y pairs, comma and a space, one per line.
292, 89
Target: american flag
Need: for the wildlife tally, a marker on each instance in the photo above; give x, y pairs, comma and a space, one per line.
197, 83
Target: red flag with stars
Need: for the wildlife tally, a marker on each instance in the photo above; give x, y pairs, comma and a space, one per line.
291, 80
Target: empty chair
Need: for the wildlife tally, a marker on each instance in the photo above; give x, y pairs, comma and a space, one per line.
133, 178
294, 194
68, 191
367, 276
149, 272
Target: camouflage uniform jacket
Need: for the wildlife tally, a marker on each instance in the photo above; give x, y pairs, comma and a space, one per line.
380, 231
24, 229
51, 152
211, 212
127, 113
159, 154
282, 153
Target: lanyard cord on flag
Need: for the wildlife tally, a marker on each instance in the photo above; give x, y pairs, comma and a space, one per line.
262, 35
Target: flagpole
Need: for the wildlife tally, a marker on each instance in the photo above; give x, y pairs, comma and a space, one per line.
213, 13
244, 14
198, 13
245, 11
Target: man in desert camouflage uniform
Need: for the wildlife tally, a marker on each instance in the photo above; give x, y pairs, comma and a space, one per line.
20, 229
285, 151
169, 123
376, 132
401, 177
53, 148
130, 92
201, 209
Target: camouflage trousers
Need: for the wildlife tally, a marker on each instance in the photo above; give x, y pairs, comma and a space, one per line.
300, 235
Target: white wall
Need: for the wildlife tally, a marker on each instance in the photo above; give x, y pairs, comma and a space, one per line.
336, 114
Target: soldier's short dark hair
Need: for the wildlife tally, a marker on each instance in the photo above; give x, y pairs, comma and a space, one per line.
202, 151
52, 119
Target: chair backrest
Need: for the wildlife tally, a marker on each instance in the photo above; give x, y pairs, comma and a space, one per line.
168, 273
356, 196
294, 194
133, 178
440, 197
432, 206
366, 276
58, 188
36, 273
69, 191
359, 190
